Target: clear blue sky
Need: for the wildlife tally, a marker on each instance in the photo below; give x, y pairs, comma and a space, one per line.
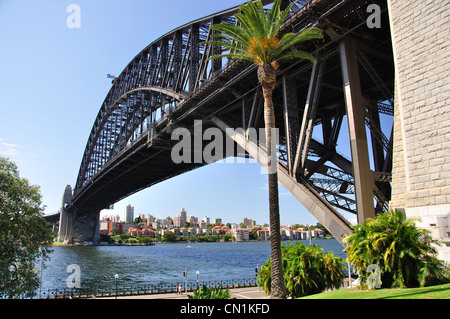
53, 81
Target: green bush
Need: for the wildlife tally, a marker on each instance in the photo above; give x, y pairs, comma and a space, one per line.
307, 270
210, 293
403, 253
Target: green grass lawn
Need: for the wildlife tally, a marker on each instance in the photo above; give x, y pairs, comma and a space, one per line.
433, 292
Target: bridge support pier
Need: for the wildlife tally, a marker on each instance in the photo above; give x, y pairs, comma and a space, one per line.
85, 226
421, 161
65, 218
77, 225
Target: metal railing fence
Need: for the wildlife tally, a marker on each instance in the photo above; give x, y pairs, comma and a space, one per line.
142, 289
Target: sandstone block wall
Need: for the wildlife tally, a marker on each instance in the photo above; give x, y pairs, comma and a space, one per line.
420, 33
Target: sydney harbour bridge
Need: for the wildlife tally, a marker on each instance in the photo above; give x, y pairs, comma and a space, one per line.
171, 83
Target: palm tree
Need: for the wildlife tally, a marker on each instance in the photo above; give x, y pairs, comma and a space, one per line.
404, 253
257, 39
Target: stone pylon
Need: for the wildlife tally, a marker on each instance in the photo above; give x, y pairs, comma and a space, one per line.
421, 161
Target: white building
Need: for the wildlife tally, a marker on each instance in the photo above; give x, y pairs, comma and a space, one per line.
191, 219
103, 225
162, 223
286, 234
241, 234
149, 220
301, 235
180, 220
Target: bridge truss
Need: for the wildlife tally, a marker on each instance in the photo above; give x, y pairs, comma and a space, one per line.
171, 84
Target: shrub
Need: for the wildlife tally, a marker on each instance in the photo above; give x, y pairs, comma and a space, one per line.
210, 293
307, 270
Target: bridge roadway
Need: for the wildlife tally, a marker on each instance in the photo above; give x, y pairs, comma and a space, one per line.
170, 84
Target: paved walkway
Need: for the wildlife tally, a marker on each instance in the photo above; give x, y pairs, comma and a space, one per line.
238, 293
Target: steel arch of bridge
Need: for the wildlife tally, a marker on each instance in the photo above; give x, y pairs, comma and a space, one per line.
160, 77
170, 83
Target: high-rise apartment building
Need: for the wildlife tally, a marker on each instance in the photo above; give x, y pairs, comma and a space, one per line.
149, 220
249, 222
128, 214
180, 220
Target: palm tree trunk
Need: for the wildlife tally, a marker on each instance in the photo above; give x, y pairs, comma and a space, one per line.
278, 289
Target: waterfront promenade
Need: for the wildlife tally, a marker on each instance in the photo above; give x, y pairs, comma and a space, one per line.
236, 293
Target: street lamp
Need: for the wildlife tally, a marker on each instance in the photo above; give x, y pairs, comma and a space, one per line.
309, 233
185, 280
40, 281
116, 277
198, 273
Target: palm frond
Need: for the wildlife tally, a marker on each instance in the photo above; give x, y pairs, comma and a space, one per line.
256, 36
297, 55
289, 40
231, 33
231, 56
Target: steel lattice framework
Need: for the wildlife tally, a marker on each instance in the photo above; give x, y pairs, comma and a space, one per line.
159, 78
170, 84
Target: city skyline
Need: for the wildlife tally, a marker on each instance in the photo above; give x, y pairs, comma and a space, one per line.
129, 209
189, 226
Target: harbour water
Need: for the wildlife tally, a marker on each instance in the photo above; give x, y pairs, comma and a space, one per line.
161, 263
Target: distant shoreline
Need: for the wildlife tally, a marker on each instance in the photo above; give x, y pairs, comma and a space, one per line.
56, 244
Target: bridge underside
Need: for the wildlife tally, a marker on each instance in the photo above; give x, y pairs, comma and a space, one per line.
353, 82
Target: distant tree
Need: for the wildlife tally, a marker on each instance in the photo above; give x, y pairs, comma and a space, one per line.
169, 236
227, 238
24, 235
254, 233
145, 240
124, 237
